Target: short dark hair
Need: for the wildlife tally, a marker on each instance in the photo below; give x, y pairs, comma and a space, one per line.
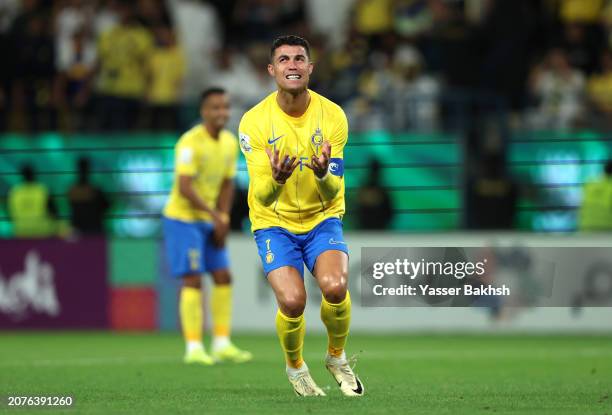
27, 172
210, 91
291, 40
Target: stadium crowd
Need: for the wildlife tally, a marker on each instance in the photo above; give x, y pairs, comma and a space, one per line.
109, 65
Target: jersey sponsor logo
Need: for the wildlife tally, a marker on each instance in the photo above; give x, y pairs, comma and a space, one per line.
332, 241
245, 143
275, 139
336, 166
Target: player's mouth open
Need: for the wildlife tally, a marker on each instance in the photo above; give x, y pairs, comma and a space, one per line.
294, 77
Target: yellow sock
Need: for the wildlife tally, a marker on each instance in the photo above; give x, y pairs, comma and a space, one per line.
190, 306
221, 307
337, 319
291, 333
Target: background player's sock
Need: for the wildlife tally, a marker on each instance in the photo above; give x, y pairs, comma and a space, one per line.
221, 308
190, 306
337, 319
193, 345
291, 331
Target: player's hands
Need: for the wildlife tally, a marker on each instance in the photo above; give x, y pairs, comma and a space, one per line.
221, 228
282, 167
320, 164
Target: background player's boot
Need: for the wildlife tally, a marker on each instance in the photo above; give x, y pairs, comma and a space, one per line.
303, 384
231, 353
349, 383
199, 356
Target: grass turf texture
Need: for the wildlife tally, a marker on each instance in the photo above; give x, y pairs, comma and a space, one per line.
143, 373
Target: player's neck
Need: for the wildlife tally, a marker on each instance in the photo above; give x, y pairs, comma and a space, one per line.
212, 131
293, 105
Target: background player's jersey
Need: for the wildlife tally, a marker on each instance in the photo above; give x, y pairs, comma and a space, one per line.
300, 206
209, 161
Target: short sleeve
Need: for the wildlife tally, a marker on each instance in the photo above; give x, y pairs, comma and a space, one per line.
250, 141
185, 159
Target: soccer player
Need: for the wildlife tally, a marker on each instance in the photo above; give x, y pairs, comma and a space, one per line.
293, 143
196, 223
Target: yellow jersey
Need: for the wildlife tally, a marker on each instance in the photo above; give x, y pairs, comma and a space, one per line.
304, 200
167, 69
124, 53
209, 161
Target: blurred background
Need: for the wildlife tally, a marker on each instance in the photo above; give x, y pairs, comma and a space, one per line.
486, 121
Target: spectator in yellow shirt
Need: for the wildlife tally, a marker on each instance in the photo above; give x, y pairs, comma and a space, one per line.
167, 71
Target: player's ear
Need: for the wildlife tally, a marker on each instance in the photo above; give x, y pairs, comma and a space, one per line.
310, 68
271, 69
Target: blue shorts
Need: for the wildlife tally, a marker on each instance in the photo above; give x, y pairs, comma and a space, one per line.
190, 248
278, 247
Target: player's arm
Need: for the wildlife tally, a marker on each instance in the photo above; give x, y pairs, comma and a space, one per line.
186, 169
261, 162
329, 166
188, 192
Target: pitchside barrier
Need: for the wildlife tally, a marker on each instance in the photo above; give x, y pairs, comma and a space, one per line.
556, 283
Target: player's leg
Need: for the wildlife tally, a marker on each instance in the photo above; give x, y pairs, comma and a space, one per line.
283, 265
183, 248
288, 286
221, 307
290, 293
327, 258
331, 273
192, 319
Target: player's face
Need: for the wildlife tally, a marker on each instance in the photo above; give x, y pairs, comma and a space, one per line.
216, 110
291, 68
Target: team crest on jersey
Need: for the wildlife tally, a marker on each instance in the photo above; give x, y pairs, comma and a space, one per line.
245, 143
317, 138
269, 257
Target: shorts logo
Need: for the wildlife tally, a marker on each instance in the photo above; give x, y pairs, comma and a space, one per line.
194, 259
245, 144
269, 254
332, 241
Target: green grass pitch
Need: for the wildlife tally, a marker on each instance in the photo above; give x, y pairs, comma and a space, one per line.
408, 374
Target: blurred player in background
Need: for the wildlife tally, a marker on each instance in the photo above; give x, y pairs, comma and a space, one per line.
293, 142
196, 223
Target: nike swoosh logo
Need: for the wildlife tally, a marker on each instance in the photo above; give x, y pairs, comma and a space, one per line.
273, 140
334, 242
358, 390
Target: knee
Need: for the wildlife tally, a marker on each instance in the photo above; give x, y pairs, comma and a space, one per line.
293, 305
192, 281
334, 287
222, 277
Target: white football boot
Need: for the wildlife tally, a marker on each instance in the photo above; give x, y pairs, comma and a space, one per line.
349, 383
303, 384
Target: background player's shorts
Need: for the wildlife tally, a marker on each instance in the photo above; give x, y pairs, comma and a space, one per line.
278, 247
190, 248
